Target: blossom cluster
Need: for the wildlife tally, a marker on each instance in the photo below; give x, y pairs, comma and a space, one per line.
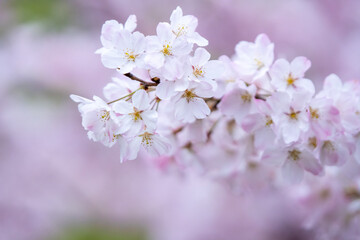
222, 116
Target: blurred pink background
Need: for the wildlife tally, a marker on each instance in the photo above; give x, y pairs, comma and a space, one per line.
52, 178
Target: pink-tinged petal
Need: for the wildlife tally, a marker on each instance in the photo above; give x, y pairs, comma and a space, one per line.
163, 31
299, 66
138, 42
111, 59
332, 82
173, 69
201, 56
135, 129
264, 138
214, 69
150, 118
274, 157
165, 90
333, 154
181, 84
131, 23
153, 44
123, 107
155, 60
233, 105
182, 111
133, 148
141, 100
279, 73
310, 163
176, 15
253, 122
125, 123
292, 172
160, 146
80, 99
199, 108
198, 39
107, 32
181, 47
305, 84
290, 132
123, 148
126, 68
262, 39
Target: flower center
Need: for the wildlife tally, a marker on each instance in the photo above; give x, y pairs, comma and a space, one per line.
136, 115
312, 142
293, 115
181, 30
294, 154
130, 55
147, 141
246, 97
269, 121
105, 115
198, 71
166, 50
259, 63
328, 146
314, 113
189, 95
290, 80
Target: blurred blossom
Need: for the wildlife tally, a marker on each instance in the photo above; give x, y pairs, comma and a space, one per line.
52, 177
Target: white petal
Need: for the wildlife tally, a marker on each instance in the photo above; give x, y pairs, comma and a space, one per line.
133, 148
201, 56
123, 107
299, 66
150, 118
165, 90
310, 163
130, 23
141, 100
198, 39
214, 69
292, 172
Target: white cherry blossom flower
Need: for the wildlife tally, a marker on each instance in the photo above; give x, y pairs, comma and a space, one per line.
293, 161
239, 102
254, 59
289, 114
190, 105
98, 119
164, 45
289, 77
135, 116
203, 70
185, 26
152, 142
127, 52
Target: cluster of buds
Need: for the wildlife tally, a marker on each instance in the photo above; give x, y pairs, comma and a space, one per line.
221, 116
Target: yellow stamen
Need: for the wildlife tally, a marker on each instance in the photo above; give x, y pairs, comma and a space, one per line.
166, 50
269, 121
294, 154
290, 80
246, 97
312, 142
259, 63
314, 113
189, 95
198, 72
146, 139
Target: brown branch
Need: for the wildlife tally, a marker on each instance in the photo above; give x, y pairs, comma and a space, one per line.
155, 80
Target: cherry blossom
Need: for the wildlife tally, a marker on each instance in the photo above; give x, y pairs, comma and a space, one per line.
184, 26
254, 59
